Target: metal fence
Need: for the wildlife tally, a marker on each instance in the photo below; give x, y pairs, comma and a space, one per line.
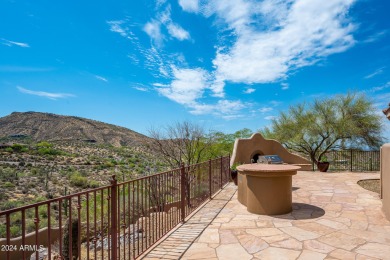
119, 221
354, 160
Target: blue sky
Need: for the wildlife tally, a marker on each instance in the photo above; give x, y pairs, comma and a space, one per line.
224, 64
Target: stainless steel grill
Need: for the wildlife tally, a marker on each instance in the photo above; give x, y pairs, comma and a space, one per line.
270, 159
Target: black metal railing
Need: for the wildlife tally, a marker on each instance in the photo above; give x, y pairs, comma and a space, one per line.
353, 160
118, 221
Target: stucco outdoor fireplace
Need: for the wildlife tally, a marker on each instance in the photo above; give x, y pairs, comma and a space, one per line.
265, 174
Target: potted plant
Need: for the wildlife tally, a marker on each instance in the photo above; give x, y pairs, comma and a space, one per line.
234, 173
323, 164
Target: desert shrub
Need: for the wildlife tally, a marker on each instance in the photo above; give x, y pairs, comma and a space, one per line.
44, 144
34, 171
3, 196
3, 230
15, 231
78, 180
9, 205
16, 218
9, 149
19, 148
131, 165
8, 174
42, 211
93, 184
49, 151
39, 199
30, 225
8, 185
108, 164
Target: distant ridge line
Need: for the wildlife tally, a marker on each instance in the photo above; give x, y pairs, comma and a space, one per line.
53, 127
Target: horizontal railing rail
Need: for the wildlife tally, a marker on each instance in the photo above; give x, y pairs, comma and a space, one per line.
118, 221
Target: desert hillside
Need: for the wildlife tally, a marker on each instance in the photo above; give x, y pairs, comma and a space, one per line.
51, 127
43, 156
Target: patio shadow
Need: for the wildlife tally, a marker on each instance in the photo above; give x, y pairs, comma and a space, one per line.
303, 211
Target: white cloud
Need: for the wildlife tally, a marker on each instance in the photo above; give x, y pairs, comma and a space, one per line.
53, 96
101, 78
378, 88
160, 2
174, 29
154, 61
115, 26
134, 59
12, 43
152, 28
143, 89
375, 36
187, 86
297, 34
189, 5
375, 73
270, 117
160, 85
121, 27
249, 90
265, 109
285, 86
178, 32
226, 109
275, 103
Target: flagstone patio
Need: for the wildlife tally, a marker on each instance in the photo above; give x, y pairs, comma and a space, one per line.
332, 218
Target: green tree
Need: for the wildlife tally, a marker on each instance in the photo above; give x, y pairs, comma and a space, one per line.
181, 142
342, 121
222, 144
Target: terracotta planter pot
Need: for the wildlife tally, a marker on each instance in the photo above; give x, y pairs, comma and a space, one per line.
323, 166
233, 174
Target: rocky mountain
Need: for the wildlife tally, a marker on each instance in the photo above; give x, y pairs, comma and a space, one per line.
52, 127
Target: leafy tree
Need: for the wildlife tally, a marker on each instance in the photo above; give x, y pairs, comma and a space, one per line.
182, 142
222, 143
343, 121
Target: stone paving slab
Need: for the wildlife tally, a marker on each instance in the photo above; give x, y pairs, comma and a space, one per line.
181, 239
332, 218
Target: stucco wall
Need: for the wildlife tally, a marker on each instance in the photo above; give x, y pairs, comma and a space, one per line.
43, 239
385, 179
245, 149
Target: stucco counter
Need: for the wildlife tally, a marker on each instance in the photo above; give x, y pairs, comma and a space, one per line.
266, 188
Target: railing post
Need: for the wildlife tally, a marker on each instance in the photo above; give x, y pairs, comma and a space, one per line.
228, 176
183, 192
351, 159
114, 218
370, 161
210, 179
221, 173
